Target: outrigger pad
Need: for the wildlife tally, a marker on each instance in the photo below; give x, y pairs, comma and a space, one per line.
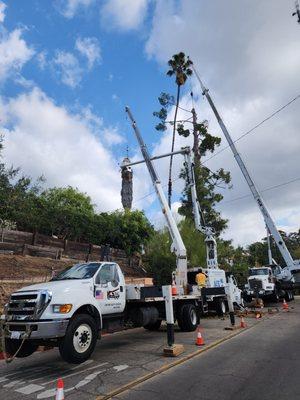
173, 351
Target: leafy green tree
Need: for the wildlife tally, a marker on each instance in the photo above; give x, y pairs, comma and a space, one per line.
159, 260
128, 230
67, 212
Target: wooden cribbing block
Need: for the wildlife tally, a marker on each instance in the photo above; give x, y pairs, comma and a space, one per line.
173, 351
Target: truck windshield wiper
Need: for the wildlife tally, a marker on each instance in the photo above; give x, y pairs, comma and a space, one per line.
64, 279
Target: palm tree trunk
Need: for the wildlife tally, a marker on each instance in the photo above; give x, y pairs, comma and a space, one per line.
172, 148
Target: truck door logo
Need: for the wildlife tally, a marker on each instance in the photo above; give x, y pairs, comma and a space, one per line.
113, 294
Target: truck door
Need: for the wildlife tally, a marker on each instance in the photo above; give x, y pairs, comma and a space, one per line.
109, 289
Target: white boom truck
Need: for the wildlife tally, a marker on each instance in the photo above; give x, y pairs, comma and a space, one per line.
216, 276
284, 277
219, 290
72, 309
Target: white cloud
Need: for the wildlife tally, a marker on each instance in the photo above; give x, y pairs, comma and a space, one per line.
42, 60
14, 53
115, 97
112, 136
68, 68
44, 138
68, 8
2, 11
124, 15
89, 47
250, 61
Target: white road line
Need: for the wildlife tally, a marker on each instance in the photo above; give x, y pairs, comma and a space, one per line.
13, 383
29, 389
73, 374
54, 373
120, 368
51, 393
85, 381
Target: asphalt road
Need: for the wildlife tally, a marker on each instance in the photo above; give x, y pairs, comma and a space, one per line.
262, 363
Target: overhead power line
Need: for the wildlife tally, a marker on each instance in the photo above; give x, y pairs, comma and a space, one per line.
254, 128
263, 190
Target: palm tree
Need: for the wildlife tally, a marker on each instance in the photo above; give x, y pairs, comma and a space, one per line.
180, 67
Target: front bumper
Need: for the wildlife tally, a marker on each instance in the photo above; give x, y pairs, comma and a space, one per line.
38, 330
260, 292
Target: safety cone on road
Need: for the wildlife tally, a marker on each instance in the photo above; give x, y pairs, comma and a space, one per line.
258, 315
243, 323
59, 395
200, 340
285, 305
174, 288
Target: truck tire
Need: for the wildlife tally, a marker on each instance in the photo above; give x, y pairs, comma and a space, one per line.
289, 295
12, 345
188, 318
220, 307
153, 327
275, 296
80, 339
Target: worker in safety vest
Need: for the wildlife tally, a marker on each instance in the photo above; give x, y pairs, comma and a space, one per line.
201, 278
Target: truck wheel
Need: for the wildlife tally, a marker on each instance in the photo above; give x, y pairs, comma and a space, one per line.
220, 307
153, 327
289, 296
80, 339
188, 318
12, 345
275, 297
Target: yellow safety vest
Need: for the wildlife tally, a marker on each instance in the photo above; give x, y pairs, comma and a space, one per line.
200, 279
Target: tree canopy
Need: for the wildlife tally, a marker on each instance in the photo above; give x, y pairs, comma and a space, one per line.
67, 213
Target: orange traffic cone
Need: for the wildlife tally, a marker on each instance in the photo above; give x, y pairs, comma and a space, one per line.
285, 305
174, 288
243, 323
59, 395
258, 315
200, 340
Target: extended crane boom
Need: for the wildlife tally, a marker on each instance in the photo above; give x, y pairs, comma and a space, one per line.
290, 264
177, 245
211, 244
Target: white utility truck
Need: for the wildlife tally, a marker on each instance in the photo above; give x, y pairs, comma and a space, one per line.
264, 282
215, 276
72, 309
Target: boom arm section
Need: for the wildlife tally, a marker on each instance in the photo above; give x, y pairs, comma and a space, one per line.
177, 246
266, 215
211, 244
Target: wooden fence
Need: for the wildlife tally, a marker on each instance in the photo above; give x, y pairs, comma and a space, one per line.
36, 244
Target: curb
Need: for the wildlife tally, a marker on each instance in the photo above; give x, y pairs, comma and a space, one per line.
164, 368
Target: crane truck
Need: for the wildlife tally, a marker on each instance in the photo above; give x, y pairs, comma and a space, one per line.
215, 275
217, 282
272, 281
73, 309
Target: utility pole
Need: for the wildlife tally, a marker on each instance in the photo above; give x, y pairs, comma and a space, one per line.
196, 138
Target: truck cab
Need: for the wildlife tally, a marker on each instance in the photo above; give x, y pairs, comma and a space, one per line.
268, 282
68, 311
261, 282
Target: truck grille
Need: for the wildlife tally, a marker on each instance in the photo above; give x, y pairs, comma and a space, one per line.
27, 305
255, 284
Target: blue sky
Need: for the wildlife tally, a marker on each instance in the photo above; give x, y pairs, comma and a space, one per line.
124, 74
69, 67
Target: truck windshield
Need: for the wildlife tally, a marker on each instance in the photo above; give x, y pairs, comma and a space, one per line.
259, 271
78, 271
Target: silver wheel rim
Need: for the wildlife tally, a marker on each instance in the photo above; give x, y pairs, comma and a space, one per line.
82, 338
193, 317
223, 307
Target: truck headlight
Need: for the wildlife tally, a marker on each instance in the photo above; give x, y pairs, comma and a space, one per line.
62, 308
